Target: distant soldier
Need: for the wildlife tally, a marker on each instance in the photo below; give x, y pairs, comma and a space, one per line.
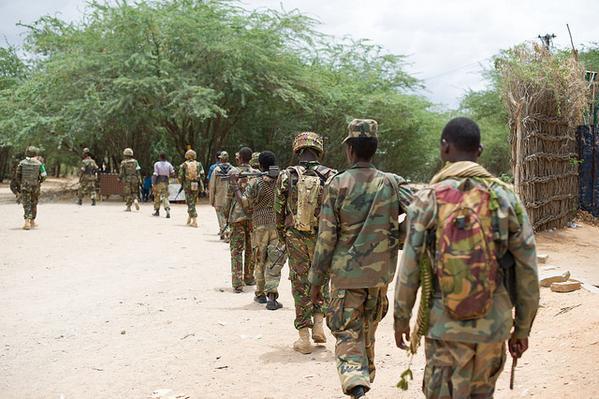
29, 175
357, 247
191, 176
460, 229
297, 207
130, 176
163, 170
88, 174
242, 261
218, 188
254, 162
269, 254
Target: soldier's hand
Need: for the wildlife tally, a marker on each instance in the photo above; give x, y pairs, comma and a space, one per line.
517, 346
316, 295
402, 337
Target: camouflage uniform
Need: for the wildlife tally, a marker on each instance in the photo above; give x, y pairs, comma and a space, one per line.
357, 247
130, 176
269, 258
218, 188
29, 174
242, 261
191, 188
87, 179
464, 358
254, 163
300, 244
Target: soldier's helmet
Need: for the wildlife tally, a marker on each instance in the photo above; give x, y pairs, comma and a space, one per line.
224, 156
128, 152
308, 140
31, 151
190, 154
254, 163
85, 151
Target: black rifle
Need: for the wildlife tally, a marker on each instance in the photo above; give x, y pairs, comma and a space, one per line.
273, 172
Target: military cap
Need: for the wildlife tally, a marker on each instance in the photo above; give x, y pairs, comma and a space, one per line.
223, 156
362, 128
190, 154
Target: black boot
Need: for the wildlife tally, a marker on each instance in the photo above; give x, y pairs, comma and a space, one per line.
93, 202
357, 392
79, 201
260, 299
156, 212
272, 303
168, 214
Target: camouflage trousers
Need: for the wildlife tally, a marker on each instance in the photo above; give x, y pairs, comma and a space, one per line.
300, 248
29, 199
191, 198
87, 187
353, 317
268, 259
462, 370
220, 216
161, 196
130, 191
242, 261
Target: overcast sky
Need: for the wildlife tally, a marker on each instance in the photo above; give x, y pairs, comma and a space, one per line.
447, 41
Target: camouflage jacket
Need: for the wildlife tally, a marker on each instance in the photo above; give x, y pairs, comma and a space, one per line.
234, 212
286, 194
259, 197
88, 170
29, 174
126, 171
218, 187
185, 182
515, 234
358, 235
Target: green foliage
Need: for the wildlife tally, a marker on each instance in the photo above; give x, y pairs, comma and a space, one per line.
168, 75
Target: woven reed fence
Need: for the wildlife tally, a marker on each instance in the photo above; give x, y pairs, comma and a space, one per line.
545, 95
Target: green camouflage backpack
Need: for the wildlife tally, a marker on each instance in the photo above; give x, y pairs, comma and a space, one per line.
309, 187
466, 265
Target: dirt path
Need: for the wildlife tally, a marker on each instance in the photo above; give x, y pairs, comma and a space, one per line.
98, 303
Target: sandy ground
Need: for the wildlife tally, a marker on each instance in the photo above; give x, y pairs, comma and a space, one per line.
99, 303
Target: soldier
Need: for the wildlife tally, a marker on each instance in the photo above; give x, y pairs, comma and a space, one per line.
471, 313
297, 206
191, 176
254, 162
269, 255
163, 170
130, 175
242, 262
218, 188
88, 174
29, 175
357, 247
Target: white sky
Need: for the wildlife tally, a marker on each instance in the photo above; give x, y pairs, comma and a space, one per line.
447, 41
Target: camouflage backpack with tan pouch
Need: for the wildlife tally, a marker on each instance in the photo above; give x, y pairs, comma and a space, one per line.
309, 188
465, 260
191, 174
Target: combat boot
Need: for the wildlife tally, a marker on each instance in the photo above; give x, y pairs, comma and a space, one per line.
27, 225
272, 303
128, 209
317, 330
194, 222
188, 219
136, 203
156, 212
358, 392
33, 224
93, 202
260, 299
303, 345
168, 214
79, 201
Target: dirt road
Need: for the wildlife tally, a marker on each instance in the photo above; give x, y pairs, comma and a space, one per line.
99, 303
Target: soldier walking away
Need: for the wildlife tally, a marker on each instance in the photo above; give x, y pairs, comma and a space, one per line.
29, 176
217, 190
472, 222
357, 247
130, 175
238, 218
297, 206
191, 176
163, 170
88, 174
269, 253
